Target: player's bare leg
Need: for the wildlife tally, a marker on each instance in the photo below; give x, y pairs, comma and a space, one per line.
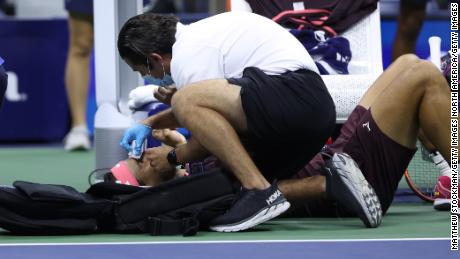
308, 188
417, 98
386, 78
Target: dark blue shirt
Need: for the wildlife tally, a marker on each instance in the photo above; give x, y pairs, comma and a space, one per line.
79, 6
1, 61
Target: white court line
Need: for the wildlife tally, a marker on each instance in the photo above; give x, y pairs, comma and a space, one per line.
227, 242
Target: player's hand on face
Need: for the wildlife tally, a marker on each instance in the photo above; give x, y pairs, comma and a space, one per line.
169, 137
157, 157
164, 94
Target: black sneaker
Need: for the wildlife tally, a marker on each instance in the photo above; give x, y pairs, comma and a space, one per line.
251, 208
346, 184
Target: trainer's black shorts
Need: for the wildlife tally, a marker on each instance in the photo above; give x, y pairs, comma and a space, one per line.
3, 83
289, 119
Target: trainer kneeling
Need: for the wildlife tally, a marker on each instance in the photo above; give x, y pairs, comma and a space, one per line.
250, 95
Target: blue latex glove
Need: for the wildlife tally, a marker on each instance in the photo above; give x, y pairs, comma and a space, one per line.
138, 132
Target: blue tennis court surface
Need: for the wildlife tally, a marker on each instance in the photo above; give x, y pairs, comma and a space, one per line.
330, 249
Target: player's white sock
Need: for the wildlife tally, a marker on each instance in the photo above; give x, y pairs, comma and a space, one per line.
440, 163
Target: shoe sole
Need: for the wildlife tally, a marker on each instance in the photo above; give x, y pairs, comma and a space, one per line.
77, 142
441, 204
260, 217
360, 196
78, 148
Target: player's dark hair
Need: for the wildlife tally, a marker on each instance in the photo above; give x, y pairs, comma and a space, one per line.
146, 33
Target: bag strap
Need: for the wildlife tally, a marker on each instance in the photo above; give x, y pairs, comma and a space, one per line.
187, 226
302, 13
314, 18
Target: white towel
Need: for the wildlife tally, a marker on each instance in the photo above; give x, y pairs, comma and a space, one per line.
141, 96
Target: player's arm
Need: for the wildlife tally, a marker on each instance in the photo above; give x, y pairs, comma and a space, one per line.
191, 151
162, 120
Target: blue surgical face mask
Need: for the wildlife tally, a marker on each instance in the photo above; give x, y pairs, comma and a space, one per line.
165, 81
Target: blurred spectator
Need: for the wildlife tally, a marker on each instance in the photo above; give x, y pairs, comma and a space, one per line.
164, 6
175, 6
3, 82
77, 71
410, 21
412, 13
6, 8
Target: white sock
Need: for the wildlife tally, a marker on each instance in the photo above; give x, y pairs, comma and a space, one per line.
440, 163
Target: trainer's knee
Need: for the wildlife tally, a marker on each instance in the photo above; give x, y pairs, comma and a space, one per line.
181, 101
198, 94
187, 94
187, 98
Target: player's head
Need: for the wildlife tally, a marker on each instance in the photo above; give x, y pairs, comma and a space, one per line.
145, 174
133, 172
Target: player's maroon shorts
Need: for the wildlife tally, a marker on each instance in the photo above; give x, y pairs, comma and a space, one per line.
381, 159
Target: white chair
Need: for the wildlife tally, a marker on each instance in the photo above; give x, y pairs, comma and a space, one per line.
365, 65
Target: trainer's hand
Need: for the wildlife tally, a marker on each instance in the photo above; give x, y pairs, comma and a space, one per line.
157, 157
138, 132
141, 96
164, 94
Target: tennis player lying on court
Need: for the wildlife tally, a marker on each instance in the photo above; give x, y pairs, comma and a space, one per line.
377, 141
380, 135
139, 172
